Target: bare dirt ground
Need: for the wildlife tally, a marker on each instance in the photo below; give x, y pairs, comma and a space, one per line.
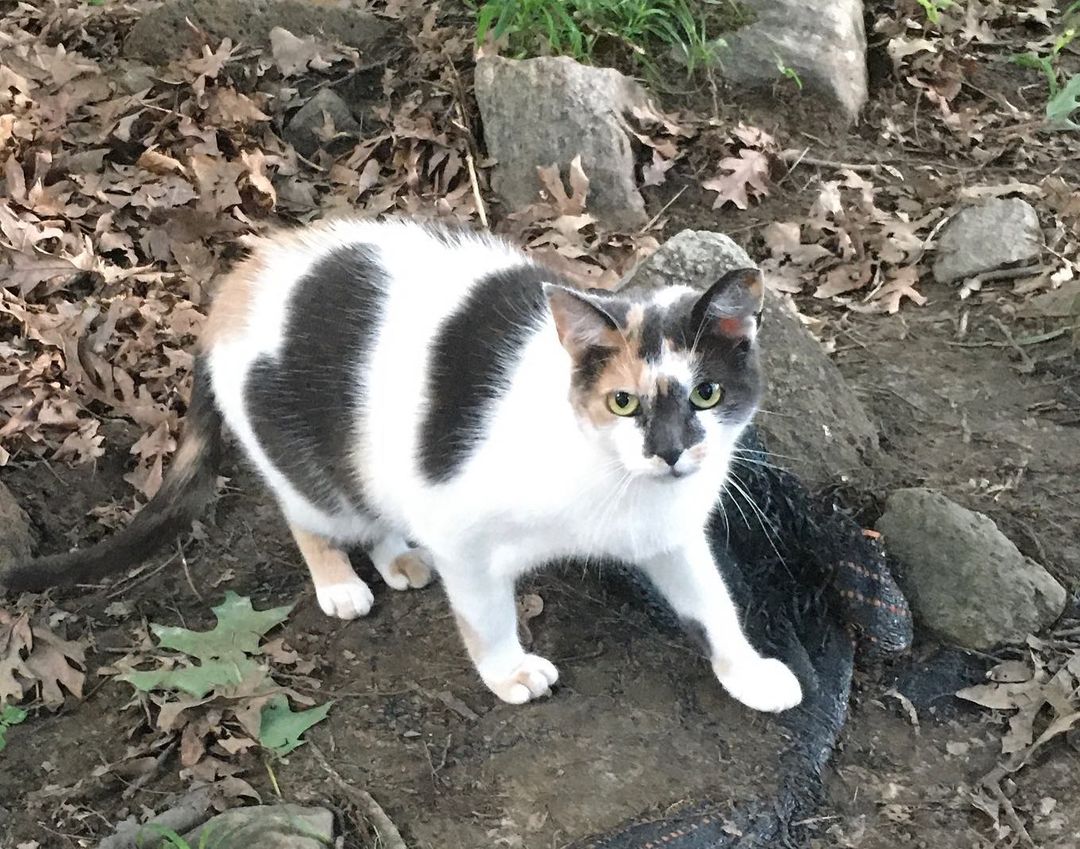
638, 725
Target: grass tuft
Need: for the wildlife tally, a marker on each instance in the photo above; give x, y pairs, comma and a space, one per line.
643, 32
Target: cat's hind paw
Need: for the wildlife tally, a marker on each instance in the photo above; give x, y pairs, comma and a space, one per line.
764, 684
347, 600
531, 679
410, 570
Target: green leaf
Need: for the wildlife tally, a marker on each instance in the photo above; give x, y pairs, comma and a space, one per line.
1060, 107
238, 631
280, 727
197, 681
9, 715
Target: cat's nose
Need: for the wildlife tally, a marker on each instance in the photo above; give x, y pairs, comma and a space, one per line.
670, 456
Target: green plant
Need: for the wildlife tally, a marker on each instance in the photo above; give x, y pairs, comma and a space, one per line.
227, 663
1063, 99
787, 71
934, 8
9, 715
642, 29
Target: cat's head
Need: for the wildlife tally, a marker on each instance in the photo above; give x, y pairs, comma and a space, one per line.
668, 383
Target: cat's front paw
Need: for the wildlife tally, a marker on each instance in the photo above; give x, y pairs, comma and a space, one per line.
347, 600
763, 684
530, 679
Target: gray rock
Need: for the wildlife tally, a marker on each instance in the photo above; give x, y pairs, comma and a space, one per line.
268, 827
163, 33
811, 419
16, 537
540, 112
304, 130
993, 234
822, 40
965, 579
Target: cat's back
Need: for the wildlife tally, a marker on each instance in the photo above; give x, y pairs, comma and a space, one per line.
322, 347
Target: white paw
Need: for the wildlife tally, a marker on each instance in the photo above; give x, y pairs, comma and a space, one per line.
347, 600
530, 679
763, 684
410, 570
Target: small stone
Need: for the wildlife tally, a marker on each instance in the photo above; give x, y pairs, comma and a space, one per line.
823, 41
811, 417
965, 579
269, 827
996, 233
16, 537
305, 129
164, 32
545, 111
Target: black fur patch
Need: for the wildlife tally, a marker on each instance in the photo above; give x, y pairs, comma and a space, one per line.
671, 424
303, 402
590, 365
470, 361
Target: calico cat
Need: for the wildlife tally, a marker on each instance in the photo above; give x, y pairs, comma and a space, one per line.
396, 381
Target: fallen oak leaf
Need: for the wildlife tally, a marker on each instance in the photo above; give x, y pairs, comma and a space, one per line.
294, 55
255, 162
281, 727
900, 284
159, 163
750, 169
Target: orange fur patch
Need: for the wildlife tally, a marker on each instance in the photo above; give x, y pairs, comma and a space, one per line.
232, 301
328, 564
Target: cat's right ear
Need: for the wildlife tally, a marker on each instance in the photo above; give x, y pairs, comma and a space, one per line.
580, 320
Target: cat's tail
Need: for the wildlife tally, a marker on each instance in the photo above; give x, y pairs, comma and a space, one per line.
185, 492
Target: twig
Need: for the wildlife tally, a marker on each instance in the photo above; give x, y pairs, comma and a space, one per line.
470, 143
142, 780
652, 221
796, 157
142, 580
187, 572
995, 790
1006, 274
384, 826
1028, 364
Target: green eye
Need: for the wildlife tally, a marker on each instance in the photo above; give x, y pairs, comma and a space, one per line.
706, 395
623, 403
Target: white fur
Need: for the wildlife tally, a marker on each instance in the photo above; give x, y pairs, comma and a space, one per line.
542, 485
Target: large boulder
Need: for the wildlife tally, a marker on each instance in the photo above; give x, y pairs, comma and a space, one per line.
267, 827
810, 419
164, 32
823, 41
16, 537
545, 111
965, 579
996, 233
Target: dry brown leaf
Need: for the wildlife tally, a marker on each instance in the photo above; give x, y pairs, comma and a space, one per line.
294, 55
749, 171
900, 284
33, 657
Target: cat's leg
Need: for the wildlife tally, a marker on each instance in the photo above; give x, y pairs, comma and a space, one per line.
340, 591
401, 565
486, 613
690, 581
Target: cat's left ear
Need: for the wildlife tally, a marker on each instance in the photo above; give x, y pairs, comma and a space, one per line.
732, 305
581, 319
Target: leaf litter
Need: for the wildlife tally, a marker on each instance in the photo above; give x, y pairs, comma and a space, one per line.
216, 689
